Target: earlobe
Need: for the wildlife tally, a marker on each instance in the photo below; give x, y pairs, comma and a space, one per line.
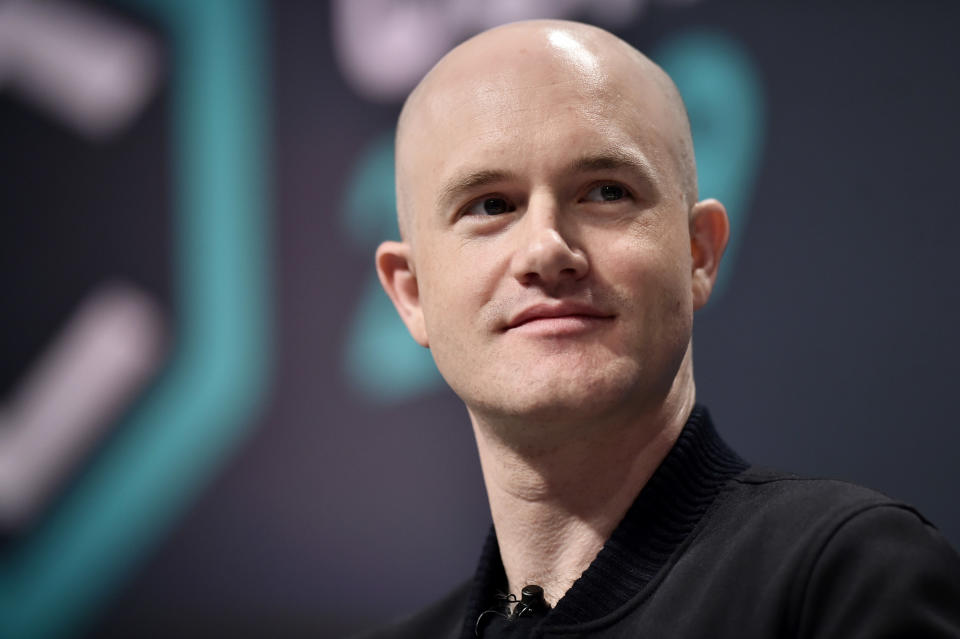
709, 232
399, 280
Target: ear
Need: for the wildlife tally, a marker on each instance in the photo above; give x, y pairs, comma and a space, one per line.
709, 232
396, 272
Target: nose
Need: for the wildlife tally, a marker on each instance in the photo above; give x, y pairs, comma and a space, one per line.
545, 255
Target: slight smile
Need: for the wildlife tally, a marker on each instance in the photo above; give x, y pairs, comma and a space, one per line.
558, 318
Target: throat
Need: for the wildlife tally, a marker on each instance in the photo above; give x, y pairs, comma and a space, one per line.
554, 510
550, 542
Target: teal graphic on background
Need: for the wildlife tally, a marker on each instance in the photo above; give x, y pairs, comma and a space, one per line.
723, 92
381, 360
53, 580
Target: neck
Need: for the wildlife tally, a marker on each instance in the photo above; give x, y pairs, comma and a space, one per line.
554, 506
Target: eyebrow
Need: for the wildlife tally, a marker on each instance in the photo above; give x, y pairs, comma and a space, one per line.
607, 160
614, 159
466, 182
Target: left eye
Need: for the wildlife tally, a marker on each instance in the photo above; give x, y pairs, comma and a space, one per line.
488, 206
606, 193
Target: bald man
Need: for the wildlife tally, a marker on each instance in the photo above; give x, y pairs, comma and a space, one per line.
554, 250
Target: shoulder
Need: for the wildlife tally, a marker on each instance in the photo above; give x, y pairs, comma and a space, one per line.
859, 562
772, 497
441, 619
888, 560
803, 518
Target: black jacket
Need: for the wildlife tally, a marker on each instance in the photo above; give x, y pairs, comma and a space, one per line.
712, 548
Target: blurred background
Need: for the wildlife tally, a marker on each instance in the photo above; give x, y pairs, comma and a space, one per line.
213, 425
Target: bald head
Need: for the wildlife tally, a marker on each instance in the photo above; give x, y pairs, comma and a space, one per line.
541, 164
497, 68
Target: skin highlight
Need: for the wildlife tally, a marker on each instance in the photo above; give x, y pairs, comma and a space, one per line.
553, 255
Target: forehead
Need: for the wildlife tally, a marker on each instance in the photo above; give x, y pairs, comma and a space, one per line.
519, 106
511, 112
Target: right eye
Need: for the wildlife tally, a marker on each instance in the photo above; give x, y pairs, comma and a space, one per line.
489, 206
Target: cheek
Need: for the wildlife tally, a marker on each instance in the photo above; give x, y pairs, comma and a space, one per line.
451, 295
653, 277
651, 259
467, 274
668, 253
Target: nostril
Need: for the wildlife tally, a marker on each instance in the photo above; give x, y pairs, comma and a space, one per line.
547, 256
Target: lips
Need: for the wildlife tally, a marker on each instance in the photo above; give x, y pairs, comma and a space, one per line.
547, 311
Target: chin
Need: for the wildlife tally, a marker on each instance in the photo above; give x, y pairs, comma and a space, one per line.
573, 395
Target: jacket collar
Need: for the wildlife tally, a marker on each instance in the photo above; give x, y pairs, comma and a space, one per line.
661, 518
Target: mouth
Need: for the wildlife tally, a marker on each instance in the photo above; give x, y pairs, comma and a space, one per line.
559, 317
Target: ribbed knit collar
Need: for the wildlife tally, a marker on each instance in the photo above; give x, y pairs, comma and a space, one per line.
661, 518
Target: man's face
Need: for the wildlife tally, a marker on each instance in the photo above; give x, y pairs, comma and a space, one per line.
548, 236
